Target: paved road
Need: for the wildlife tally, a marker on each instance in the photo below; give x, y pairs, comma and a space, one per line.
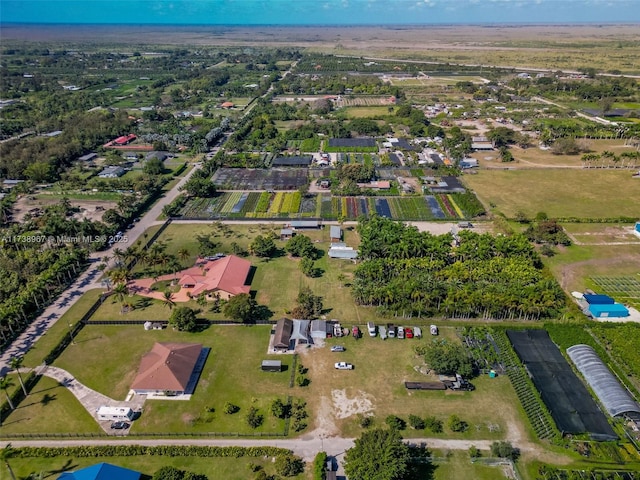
89, 280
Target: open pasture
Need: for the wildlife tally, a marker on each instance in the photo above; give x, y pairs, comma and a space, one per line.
560, 193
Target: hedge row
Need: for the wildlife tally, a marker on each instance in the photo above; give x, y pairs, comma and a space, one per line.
135, 450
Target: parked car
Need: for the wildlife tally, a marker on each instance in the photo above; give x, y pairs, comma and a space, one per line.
343, 366
355, 331
408, 332
338, 348
119, 425
391, 330
400, 332
371, 327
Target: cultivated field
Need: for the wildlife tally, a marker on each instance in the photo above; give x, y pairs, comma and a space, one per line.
559, 193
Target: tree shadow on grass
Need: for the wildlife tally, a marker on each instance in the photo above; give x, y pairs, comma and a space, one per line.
67, 466
262, 312
143, 303
47, 399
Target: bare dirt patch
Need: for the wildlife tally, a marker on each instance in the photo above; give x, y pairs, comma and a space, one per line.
347, 407
88, 209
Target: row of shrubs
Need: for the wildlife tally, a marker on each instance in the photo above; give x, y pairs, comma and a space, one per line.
134, 450
433, 424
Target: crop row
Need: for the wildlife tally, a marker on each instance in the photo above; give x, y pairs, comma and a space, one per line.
276, 203
263, 202
282, 204
233, 198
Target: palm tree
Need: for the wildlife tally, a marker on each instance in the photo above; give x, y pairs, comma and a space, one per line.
121, 291
15, 363
183, 254
5, 383
119, 255
5, 454
168, 300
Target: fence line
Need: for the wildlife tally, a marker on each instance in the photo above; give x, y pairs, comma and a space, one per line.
140, 435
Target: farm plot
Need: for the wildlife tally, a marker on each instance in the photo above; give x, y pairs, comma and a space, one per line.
623, 289
434, 206
415, 208
258, 179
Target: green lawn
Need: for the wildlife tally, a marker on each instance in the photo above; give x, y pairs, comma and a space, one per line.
458, 465
50, 408
36, 355
231, 374
559, 193
364, 112
574, 266
227, 468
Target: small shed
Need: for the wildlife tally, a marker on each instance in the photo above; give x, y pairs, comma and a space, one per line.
304, 224
335, 233
115, 413
318, 329
88, 157
271, 366
282, 336
286, 234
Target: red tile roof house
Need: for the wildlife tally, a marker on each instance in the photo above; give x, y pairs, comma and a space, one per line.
225, 277
166, 369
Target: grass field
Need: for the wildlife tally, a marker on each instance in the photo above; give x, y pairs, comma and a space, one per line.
559, 193
227, 468
50, 408
364, 112
458, 465
227, 376
574, 266
533, 156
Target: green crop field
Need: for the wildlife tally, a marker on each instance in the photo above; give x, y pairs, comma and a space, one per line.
559, 193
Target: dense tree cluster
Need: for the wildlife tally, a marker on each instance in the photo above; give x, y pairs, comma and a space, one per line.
378, 455
549, 232
406, 271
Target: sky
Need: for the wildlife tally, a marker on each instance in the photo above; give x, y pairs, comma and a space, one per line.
318, 12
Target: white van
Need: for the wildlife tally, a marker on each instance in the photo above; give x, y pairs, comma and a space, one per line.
372, 329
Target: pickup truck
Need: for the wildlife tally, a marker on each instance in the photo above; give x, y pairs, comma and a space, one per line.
343, 366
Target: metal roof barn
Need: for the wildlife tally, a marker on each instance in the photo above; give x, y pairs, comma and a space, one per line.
616, 310
599, 299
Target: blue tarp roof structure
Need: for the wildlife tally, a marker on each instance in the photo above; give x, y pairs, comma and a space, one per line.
615, 310
101, 471
599, 299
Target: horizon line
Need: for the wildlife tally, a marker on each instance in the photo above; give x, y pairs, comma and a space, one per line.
339, 25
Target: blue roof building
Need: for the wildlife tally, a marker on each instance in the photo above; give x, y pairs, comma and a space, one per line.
599, 299
101, 471
615, 310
